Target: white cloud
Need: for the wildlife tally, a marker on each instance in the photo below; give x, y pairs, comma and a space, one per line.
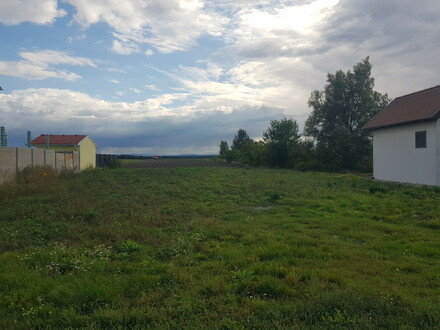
118, 70
115, 81
283, 83
153, 88
124, 48
299, 18
37, 65
168, 26
53, 57
78, 37
278, 30
135, 90
30, 71
34, 11
149, 52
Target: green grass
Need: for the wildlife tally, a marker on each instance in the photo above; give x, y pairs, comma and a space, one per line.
225, 248
128, 161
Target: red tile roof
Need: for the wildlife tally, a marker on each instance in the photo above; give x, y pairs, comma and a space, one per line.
419, 106
59, 139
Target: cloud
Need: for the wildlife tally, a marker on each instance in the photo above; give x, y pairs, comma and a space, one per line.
37, 65
38, 12
400, 37
282, 29
31, 71
78, 37
153, 88
154, 123
280, 83
53, 57
124, 48
168, 26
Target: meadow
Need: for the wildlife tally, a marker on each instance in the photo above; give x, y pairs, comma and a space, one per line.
218, 248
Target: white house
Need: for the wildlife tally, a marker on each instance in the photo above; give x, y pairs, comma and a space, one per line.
406, 139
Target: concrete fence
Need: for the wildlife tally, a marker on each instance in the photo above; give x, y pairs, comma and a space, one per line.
13, 160
103, 160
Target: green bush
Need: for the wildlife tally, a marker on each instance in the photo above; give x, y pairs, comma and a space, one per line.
114, 163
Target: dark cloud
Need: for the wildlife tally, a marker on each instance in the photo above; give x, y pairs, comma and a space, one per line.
383, 25
202, 131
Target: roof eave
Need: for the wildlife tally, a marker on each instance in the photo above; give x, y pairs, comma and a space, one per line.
89, 139
54, 145
401, 123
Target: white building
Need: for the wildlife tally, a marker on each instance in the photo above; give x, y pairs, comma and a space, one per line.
406, 139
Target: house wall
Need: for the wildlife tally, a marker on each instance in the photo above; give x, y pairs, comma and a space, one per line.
87, 150
395, 157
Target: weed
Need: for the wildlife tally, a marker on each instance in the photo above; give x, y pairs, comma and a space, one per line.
376, 189
128, 248
114, 163
273, 196
338, 318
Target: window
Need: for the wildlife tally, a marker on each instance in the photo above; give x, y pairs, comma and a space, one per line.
421, 139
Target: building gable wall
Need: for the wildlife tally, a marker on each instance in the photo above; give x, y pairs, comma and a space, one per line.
395, 157
87, 150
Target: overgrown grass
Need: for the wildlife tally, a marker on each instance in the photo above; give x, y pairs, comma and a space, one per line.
225, 248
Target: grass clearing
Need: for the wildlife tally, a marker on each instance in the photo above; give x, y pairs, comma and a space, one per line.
225, 248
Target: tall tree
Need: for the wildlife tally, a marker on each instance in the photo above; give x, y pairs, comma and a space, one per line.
240, 140
340, 111
224, 148
281, 139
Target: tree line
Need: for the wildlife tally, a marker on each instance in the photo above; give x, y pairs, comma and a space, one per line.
332, 139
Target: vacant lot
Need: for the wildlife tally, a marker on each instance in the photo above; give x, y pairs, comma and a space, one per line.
222, 248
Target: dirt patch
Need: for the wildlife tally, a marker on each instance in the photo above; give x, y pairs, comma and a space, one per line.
170, 163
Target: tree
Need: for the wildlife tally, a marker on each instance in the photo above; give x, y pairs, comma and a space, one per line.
224, 148
340, 111
281, 138
240, 140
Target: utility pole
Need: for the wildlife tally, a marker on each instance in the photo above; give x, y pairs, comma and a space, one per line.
29, 139
3, 136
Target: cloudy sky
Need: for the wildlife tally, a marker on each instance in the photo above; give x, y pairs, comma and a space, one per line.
178, 76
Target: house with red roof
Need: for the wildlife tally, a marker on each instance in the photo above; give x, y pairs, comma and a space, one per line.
81, 143
406, 139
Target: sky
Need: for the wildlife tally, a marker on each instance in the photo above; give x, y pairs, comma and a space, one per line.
178, 76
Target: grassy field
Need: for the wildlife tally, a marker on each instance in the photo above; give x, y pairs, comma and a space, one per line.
224, 248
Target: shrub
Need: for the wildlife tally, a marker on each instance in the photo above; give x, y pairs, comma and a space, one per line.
114, 163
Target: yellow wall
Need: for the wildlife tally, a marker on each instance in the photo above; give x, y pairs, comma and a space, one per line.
87, 152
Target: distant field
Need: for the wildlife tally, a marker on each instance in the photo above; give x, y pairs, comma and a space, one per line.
173, 163
220, 248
